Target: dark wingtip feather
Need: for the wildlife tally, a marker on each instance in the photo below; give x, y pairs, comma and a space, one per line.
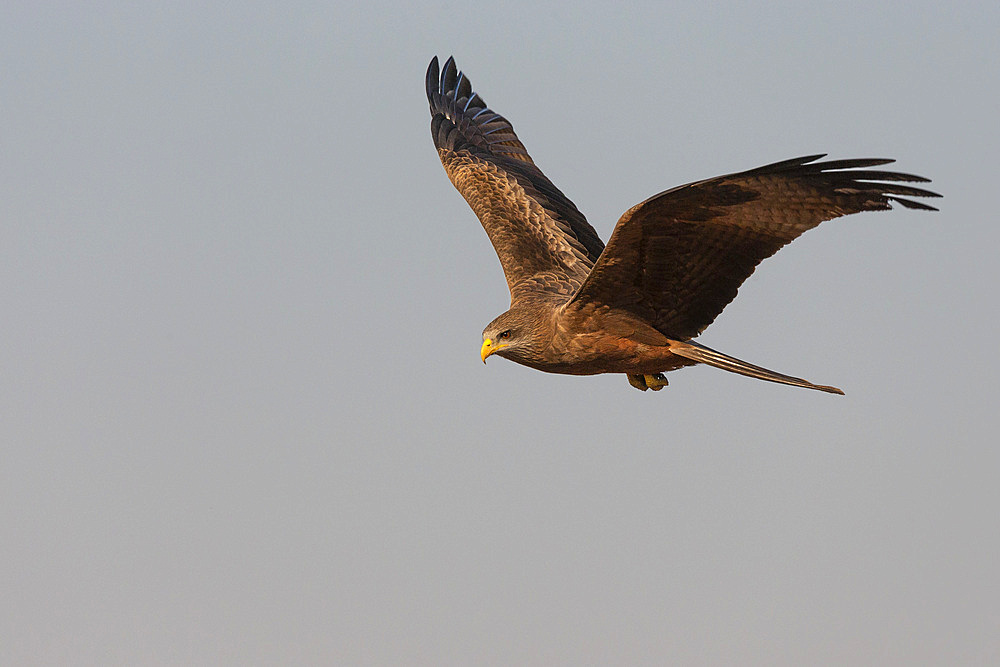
793, 163
431, 79
878, 175
919, 206
854, 163
449, 73
910, 190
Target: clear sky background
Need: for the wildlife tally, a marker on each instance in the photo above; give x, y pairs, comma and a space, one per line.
243, 417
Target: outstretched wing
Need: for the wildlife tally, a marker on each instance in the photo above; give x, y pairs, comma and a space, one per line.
677, 259
544, 243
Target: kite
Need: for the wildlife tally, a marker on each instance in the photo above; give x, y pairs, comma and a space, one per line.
671, 265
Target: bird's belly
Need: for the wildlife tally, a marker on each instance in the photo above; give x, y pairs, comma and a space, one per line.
593, 354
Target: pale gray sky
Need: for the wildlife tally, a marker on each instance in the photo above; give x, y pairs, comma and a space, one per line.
243, 417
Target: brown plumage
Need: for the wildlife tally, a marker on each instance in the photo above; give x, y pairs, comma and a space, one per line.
673, 261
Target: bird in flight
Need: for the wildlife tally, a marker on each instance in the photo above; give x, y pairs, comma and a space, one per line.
671, 265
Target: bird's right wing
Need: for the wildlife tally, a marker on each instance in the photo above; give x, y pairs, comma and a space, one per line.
677, 259
544, 243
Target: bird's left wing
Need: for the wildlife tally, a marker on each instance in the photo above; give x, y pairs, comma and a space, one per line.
544, 243
677, 259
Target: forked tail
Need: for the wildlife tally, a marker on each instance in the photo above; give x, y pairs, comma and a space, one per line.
706, 355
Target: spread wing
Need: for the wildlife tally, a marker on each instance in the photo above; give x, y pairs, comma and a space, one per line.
544, 243
677, 259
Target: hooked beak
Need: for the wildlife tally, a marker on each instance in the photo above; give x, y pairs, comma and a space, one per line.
489, 348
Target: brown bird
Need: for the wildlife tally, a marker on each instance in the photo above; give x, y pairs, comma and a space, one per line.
673, 261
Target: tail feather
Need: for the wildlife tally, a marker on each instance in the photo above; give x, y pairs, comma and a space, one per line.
706, 355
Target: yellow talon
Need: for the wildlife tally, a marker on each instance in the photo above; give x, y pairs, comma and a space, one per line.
655, 382
637, 381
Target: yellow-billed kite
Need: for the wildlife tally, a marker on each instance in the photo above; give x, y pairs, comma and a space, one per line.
672, 264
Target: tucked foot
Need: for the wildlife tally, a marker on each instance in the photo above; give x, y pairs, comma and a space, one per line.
656, 381
638, 381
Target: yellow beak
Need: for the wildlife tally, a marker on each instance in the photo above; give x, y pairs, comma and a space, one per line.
489, 348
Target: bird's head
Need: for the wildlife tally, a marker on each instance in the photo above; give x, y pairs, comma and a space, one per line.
514, 335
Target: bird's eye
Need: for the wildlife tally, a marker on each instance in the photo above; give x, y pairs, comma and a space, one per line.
505, 335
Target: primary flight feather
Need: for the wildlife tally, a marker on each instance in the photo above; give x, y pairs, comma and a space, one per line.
671, 265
